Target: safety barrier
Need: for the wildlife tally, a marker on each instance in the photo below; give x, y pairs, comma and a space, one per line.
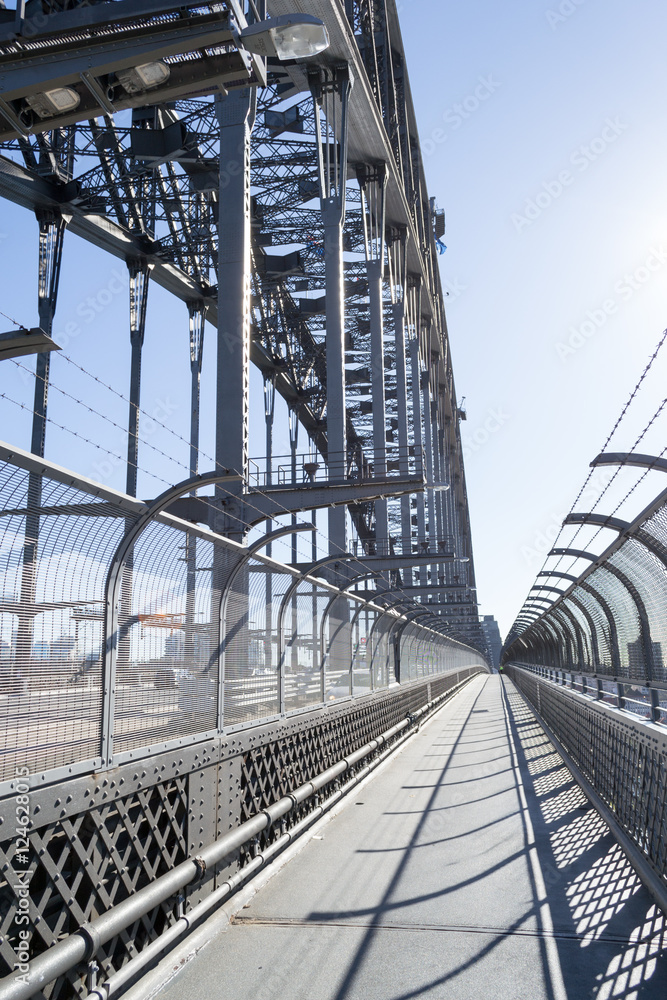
114, 861
611, 621
126, 631
620, 759
163, 686
645, 699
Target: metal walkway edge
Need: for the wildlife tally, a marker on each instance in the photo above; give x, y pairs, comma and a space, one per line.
471, 866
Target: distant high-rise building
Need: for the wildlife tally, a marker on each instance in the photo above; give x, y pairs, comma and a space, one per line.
492, 636
637, 661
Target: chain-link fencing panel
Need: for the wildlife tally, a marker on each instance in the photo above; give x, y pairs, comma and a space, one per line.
337, 637
647, 574
603, 631
583, 629
302, 655
252, 597
362, 680
56, 544
626, 619
168, 626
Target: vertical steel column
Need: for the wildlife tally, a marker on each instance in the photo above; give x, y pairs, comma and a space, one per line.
398, 285
442, 467
51, 235
197, 315
139, 273
415, 377
428, 448
373, 184
293, 422
437, 471
326, 87
197, 322
139, 278
236, 118
293, 419
269, 412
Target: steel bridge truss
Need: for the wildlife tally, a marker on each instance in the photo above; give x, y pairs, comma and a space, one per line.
346, 308
165, 684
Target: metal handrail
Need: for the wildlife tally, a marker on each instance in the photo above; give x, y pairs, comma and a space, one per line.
587, 758
84, 944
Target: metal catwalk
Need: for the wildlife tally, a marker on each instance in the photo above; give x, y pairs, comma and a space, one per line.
472, 864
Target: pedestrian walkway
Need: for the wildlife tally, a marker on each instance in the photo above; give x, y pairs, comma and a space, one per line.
470, 867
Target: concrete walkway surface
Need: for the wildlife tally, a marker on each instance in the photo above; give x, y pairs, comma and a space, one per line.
470, 867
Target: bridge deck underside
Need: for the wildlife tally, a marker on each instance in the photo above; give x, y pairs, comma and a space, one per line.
470, 866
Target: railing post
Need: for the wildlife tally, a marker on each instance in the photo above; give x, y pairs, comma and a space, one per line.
654, 695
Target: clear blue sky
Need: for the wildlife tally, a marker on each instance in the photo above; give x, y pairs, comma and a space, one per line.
545, 142
564, 88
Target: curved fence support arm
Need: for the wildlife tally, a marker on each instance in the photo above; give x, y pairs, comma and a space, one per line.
644, 624
324, 647
652, 544
363, 606
595, 649
248, 554
613, 633
551, 644
113, 584
569, 622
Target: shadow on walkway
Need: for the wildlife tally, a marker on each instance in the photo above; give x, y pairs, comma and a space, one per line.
592, 889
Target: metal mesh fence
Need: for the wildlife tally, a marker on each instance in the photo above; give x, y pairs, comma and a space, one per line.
55, 543
621, 758
612, 621
165, 685
123, 634
601, 635
644, 569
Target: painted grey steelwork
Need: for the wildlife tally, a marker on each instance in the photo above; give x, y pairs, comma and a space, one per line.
169, 155
157, 689
610, 618
151, 730
620, 761
85, 943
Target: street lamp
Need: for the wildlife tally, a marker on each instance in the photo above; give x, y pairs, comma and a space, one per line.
100, 59
290, 36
